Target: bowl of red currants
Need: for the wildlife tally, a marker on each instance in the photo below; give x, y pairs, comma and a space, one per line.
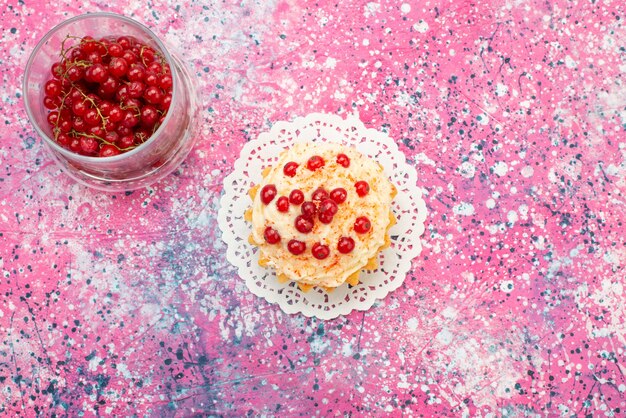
115, 107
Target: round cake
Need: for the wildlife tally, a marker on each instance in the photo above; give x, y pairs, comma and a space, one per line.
321, 214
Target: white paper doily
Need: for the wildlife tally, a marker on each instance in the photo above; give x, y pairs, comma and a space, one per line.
394, 262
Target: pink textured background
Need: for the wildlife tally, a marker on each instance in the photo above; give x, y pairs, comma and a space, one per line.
514, 114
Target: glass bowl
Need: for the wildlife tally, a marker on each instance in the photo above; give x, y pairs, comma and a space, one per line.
148, 162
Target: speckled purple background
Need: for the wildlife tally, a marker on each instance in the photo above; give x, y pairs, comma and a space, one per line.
514, 114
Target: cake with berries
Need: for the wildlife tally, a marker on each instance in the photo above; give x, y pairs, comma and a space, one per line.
321, 215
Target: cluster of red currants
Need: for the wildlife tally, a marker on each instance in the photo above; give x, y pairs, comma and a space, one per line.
107, 96
323, 204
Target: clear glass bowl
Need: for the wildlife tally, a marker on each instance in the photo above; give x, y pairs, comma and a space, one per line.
148, 162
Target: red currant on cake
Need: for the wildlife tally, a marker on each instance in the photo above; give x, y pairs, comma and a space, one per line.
315, 162
271, 235
268, 193
319, 194
345, 245
290, 169
308, 209
325, 218
329, 206
343, 160
362, 188
362, 225
320, 251
303, 224
282, 204
296, 247
339, 195
296, 197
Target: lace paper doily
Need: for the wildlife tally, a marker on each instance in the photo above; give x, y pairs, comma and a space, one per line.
394, 262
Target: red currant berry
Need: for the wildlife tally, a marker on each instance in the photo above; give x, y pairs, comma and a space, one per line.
122, 93
76, 94
79, 124
319, 194
50, 103
142, 134
130, 57
328, 206
97, 73
105, 108
135, 89
66, 83
94, 98
57, 69
74, 145
88, 44
65, 125
282, 204
94, 58
63, 140
88, 145
126, 141
271, 235
303, 224
116, 114
75, 73
290, 169
153, 95
91, 117
268, 193
166, 82
77, 55
136, 72
151, 79
79, 107
125, 41
115, 49
296, 247
132, 104
130, 118
123, 130
111, 137
339, 195
362, 225
108, 151
320, 251
110, 126
155, 67
343, 160
296, 197
325, 218
315, 162
345, 245
308, 209
149, 116
362, 188
166, 102
52, 88
146, 54
97, 131
118, 67
109, 87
